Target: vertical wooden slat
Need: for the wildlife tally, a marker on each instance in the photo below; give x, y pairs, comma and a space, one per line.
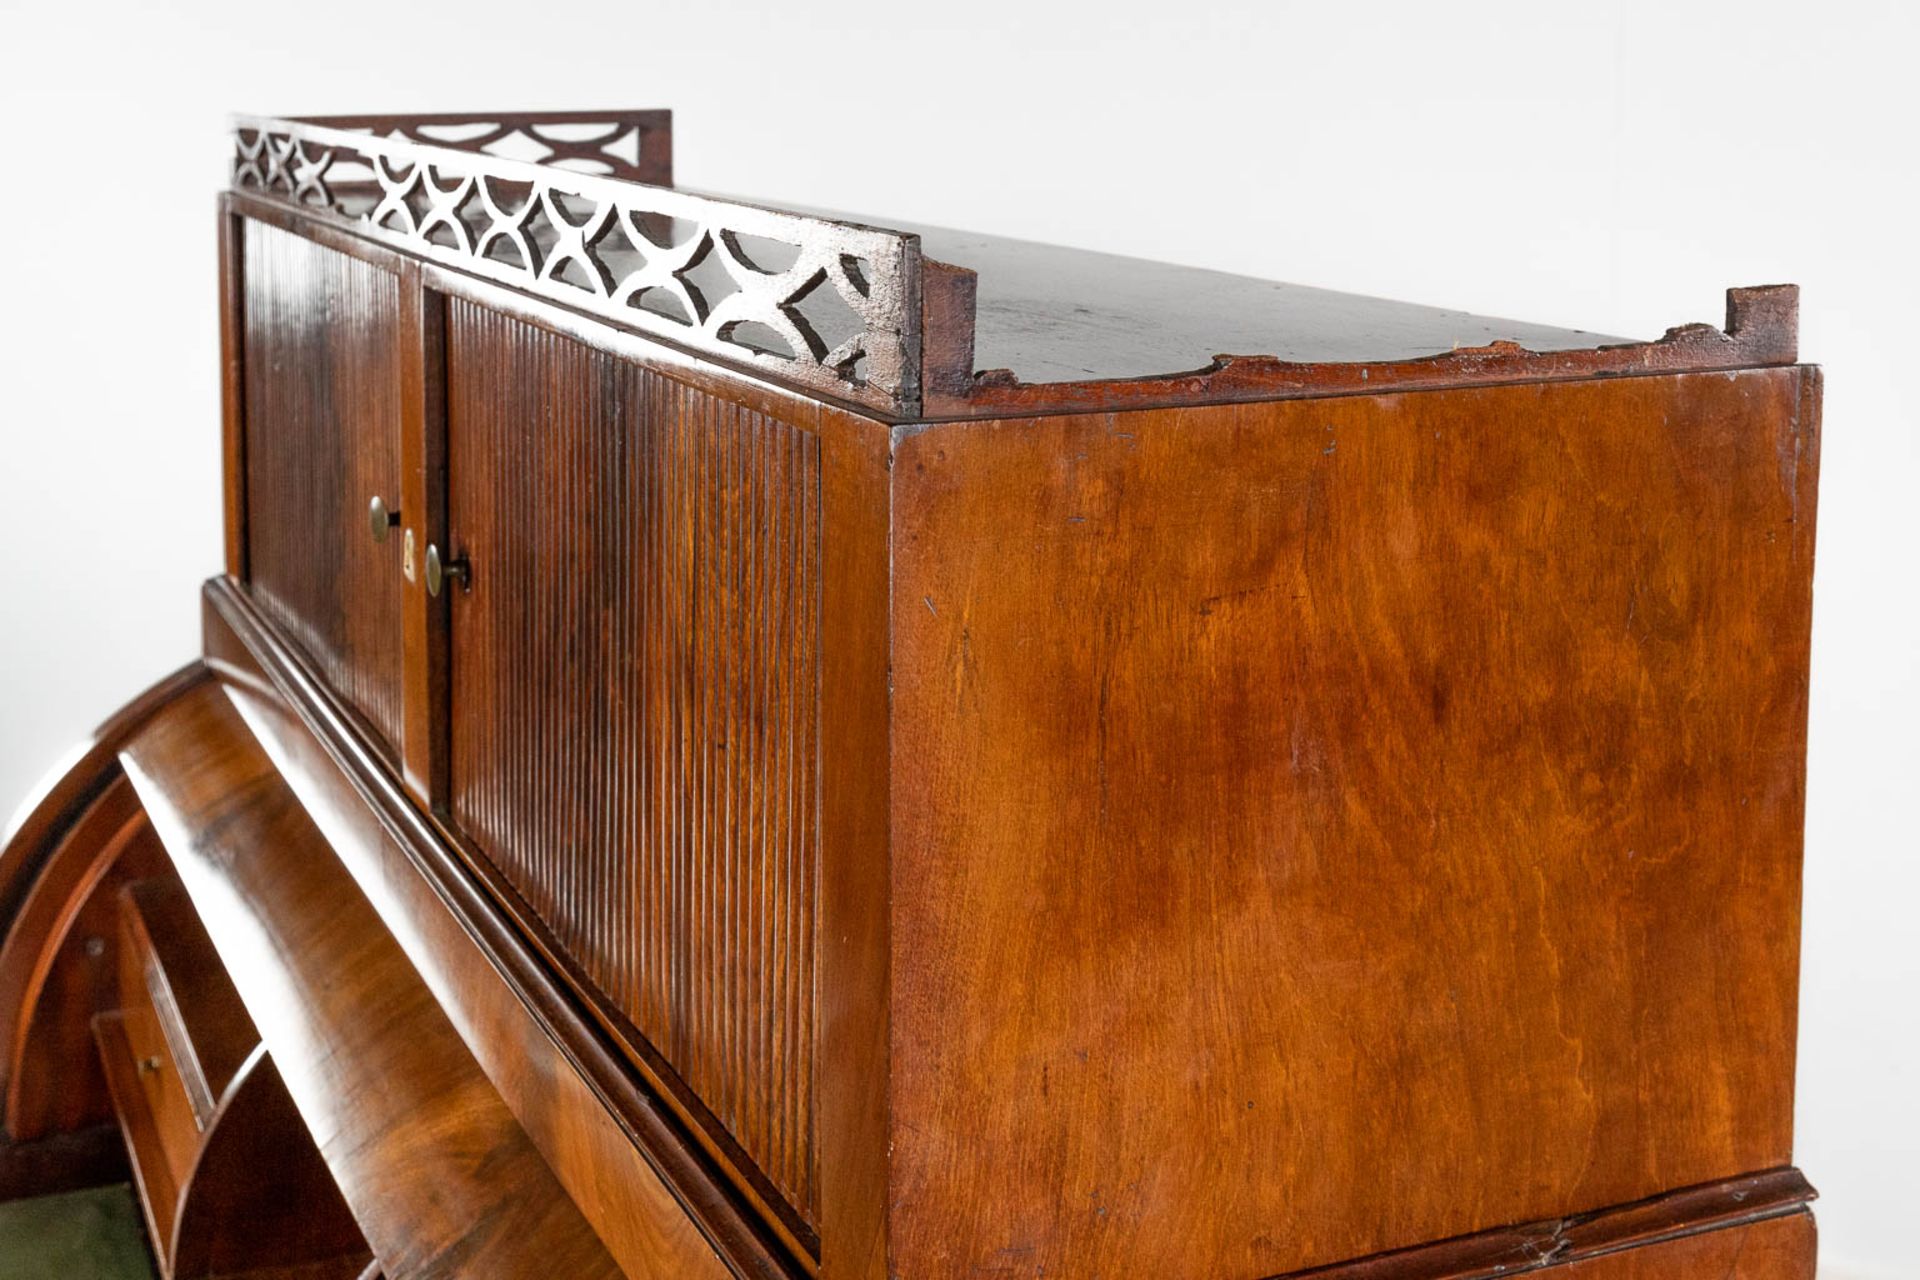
233, 462
423, 516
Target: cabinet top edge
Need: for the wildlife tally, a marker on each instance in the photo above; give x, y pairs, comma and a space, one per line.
908, 322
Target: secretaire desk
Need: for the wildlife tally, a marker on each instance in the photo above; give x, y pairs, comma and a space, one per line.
733, 742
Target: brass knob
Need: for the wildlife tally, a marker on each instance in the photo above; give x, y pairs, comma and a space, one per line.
380, 518
438, 570
150, 1066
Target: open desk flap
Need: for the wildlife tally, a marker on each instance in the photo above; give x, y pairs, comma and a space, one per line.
435, 1168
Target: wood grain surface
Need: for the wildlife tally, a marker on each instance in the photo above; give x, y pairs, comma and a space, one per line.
612, 1145
1321, 827
58, 966
1318, 802
167, 961
320, 348
635, 704
1777, 1249
1557, 1242
440, 1177
61, 862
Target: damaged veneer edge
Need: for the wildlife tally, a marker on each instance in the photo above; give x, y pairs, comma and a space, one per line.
1761, 329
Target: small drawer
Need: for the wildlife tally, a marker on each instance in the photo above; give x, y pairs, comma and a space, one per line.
169, 966
162, 1137
178, 1040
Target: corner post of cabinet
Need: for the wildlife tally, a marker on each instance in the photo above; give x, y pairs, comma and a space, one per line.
853, 1077
423, 507
233, 459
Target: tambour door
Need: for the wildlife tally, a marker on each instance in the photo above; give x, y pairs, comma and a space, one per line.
634, 711
321, 370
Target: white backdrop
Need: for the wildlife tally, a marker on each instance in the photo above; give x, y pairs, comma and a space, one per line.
1609, 165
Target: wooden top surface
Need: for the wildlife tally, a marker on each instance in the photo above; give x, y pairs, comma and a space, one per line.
1048, 313
1044, 328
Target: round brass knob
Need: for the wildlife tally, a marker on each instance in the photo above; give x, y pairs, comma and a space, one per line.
438, 570
380, 518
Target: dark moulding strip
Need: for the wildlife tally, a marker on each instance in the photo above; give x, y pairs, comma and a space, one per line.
1509, 1251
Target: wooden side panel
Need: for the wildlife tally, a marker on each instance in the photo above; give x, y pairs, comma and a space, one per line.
635, 708
260, 1202
1322, 827
320, 349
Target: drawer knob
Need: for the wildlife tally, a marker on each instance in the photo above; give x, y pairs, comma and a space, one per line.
438, 570
150, 1066
380, 518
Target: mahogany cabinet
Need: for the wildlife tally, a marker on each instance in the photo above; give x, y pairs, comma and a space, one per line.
738, 742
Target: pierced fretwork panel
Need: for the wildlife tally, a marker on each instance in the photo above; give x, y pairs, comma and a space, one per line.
635, 146
830, 305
